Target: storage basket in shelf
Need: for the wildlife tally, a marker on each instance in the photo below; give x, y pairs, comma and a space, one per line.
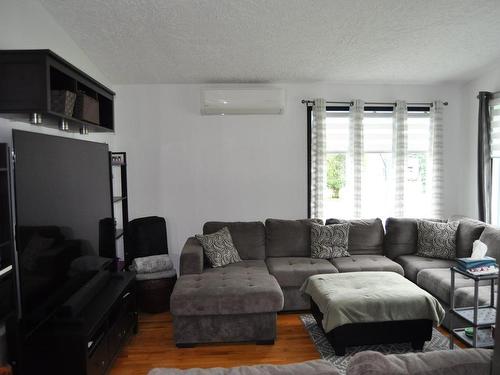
62, 101
87, 108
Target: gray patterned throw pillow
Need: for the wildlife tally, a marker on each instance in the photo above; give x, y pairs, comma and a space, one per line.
219, 248
437, 240
329, 241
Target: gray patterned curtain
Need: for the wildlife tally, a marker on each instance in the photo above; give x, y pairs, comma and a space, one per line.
484, 157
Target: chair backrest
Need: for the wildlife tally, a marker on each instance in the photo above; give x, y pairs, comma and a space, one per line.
147, 236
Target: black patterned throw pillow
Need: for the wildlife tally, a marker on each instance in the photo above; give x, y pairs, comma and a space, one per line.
437, 240
219, 248
329, 241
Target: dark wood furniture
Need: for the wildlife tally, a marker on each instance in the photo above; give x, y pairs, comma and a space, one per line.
86, 344
120, 200
27, 79
416, 332
7, 284
153, 296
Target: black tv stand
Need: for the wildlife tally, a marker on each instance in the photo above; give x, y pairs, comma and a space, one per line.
87, 343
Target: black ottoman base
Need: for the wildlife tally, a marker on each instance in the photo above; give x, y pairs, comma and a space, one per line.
416, 332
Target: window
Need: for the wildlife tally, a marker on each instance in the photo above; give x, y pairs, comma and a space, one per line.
378, 188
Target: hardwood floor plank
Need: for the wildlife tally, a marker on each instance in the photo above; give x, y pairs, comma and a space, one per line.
153, 347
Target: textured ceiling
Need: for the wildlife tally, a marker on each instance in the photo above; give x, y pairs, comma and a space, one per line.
207, 41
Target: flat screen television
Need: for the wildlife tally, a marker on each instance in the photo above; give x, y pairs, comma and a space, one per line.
63, 211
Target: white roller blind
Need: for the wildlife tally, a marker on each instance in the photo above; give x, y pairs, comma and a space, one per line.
495, 128
418, 132
377, 129
337, 132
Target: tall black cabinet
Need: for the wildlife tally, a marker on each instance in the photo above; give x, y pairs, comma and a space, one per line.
7, 301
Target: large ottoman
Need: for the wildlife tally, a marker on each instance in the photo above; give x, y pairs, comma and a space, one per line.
365, 308
229, 304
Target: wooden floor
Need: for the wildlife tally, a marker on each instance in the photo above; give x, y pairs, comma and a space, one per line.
153, 347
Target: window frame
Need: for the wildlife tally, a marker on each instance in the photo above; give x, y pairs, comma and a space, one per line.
343, 108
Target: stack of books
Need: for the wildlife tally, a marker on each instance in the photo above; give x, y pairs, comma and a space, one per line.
478, 266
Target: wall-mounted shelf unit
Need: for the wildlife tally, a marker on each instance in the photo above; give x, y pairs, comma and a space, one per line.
27, 81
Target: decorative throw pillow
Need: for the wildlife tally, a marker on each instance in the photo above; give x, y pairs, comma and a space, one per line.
219, 248
329, 241
437, 240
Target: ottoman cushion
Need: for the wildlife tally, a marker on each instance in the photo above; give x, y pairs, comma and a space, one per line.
365, 297
356, 263
293, 271
227, 290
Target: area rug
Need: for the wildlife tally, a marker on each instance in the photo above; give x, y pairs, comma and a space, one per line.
438, 342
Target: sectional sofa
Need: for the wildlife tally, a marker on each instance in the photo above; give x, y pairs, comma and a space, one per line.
239, 302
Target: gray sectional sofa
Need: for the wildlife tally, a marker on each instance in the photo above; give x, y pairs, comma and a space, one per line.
239, 302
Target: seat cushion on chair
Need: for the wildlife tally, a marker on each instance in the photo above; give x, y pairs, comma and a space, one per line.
366, 263
413, 264
437, 281
293, 271
234, 289
249, 238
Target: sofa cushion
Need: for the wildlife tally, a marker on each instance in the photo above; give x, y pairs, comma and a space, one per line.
248, 237
235, 289
365, 236
464, 297
437, 240
289, 238
491, 238
442, 362
314, 367
437, 281
366, 263
468, 231
400, 237
413, 264
329, 241
293, 271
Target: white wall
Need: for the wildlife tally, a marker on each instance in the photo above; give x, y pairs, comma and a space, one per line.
488, 81
191, 168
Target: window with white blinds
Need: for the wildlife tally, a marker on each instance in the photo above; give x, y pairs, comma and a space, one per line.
378, 170
495, 128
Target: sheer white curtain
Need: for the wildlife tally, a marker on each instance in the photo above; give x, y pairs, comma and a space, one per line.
400, 151
436, 160
318, 157
355, 156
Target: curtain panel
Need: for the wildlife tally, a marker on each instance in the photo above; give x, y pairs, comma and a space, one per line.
318, 157
355, 156
436, 160
484, 157
400, 151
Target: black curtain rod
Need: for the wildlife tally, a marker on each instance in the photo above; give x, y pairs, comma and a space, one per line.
311, 102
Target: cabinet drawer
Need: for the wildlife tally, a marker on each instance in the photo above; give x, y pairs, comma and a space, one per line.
98, 359
119, 332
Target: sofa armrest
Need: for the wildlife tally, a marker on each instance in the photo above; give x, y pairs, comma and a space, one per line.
191, 257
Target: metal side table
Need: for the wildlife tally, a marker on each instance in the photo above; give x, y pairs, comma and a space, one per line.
481, 318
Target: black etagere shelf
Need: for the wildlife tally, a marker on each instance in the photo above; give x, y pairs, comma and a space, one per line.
120, 198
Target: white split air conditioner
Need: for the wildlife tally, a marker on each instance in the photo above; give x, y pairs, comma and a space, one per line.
269, 101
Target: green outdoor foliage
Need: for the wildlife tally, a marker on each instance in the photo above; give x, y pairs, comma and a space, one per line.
335, 173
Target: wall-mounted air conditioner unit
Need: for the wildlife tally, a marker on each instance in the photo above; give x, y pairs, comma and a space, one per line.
270, 101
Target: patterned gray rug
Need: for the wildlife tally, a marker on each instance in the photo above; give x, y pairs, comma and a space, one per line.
438, 342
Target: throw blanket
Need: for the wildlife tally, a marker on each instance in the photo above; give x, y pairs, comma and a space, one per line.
152, 264
365, 297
